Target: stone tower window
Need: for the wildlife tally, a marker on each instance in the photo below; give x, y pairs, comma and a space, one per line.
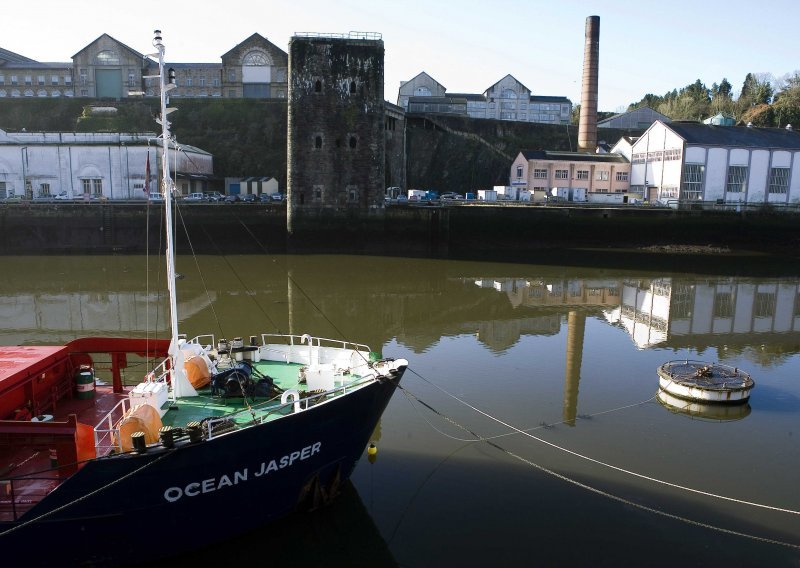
352, 87
353, 141
318, 86
318, 142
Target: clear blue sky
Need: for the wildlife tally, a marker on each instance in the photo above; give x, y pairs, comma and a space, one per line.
645, 47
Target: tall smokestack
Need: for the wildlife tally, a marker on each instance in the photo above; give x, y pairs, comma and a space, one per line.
587, 127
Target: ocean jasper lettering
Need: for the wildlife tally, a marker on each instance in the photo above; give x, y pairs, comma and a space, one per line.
207, 485
288, 460
196, 488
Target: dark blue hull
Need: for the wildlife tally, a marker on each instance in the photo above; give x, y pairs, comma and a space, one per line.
128, 509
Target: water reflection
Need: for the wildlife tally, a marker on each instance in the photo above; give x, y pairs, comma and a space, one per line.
533, 345
713, 412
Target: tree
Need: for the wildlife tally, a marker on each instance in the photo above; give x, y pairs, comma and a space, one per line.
786, 102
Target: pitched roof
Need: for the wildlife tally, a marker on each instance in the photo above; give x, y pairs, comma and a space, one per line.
421, 73
98, 38
11, 57
503, 79
739, 136
640, 110
256, 36
572, 156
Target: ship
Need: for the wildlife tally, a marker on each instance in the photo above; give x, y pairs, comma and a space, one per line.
218, 437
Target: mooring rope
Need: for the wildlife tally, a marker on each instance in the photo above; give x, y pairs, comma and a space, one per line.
83, 497
686, 520
605, 464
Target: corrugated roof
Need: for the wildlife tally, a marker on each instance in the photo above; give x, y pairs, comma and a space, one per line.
739, 136
573, 156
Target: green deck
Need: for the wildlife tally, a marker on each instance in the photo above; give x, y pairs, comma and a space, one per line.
204, 405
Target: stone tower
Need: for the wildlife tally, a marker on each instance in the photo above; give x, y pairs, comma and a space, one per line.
336, 143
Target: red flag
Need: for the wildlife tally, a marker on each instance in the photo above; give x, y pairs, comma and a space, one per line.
147, 175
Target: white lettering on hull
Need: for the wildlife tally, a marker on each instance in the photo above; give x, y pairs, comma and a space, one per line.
209, 485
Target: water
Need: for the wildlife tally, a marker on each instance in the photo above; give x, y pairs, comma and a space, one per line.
604, 474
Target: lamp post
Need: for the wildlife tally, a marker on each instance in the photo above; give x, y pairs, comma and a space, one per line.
24, 158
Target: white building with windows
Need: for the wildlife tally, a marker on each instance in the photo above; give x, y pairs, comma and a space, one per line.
690, 161
41, 165
507, 99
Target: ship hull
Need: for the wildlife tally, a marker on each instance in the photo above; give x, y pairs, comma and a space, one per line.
130, 509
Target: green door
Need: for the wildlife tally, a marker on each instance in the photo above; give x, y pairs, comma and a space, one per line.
109, 83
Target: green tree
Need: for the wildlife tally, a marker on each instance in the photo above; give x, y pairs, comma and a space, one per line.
786, 102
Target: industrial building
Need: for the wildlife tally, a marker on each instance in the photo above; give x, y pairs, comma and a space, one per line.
690, 161
68, 165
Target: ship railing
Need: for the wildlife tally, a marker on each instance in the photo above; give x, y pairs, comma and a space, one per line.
106, 434
291, 403
20, 494
308, 350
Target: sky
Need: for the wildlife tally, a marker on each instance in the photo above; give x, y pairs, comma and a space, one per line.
467, 46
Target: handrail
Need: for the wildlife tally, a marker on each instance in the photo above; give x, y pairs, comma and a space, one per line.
110, 431
312, 341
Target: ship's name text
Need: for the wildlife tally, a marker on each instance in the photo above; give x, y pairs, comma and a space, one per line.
196, 488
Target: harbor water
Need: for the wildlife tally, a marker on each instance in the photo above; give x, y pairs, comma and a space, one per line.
528, 430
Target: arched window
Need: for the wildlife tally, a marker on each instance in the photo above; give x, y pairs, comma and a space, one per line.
318, 142
508, 94
352, 87
256, 59
353, 141
107, 57
318, 86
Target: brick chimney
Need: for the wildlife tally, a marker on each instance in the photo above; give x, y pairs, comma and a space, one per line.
587, 127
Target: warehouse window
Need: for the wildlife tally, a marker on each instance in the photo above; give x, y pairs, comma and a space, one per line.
737, 179
778, 180
692, 189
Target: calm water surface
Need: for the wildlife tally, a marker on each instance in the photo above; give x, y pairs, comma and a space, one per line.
555, 366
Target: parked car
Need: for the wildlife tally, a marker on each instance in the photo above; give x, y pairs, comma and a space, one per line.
156, 198
195, 198
265, 198
233, 198
214, 196
62, 196
277, 197
249, 198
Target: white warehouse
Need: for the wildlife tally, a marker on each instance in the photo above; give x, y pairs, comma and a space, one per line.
689, 161
37, 165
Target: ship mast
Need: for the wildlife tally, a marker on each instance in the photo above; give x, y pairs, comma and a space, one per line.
180, 382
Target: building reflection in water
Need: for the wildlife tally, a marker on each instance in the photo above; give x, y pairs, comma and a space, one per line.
664, 312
